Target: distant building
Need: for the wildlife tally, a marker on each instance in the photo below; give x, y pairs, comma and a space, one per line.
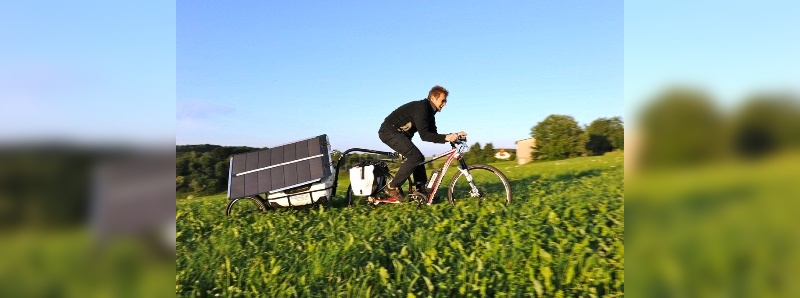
502, 154
525, 150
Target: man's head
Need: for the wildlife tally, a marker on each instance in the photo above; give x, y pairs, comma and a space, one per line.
438, 96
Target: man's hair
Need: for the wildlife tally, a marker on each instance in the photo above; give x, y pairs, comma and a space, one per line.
436, 90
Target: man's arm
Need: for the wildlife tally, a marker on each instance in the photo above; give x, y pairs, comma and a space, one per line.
427, 128
452, 137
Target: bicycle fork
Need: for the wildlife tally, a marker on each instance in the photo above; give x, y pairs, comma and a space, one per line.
462, 167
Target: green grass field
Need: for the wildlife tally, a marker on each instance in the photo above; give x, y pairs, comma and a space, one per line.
716, 230
561, 236
65, 262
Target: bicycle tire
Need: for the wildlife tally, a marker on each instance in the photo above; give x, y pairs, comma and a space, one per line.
491, 183
258, 202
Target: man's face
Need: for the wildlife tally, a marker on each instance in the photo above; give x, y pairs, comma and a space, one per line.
439, 101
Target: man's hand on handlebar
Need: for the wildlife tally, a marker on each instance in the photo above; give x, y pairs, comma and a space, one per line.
452, 137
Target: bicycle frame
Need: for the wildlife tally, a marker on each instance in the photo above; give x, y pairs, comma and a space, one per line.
451, 154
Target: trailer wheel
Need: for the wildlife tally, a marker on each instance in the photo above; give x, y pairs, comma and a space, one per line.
246, 205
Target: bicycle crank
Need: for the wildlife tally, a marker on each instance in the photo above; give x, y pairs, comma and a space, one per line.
419, 198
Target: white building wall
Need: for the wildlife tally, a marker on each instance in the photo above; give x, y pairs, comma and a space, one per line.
524, 150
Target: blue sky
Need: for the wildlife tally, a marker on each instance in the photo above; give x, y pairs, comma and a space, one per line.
260, 73
729, 49
87, 71
264, 73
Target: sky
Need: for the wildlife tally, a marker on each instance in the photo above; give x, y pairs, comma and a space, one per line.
728, 49
266, 73
89, 72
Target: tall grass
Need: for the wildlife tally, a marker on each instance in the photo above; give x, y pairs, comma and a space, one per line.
561, 236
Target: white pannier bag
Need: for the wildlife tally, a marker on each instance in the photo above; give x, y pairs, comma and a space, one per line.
362, 180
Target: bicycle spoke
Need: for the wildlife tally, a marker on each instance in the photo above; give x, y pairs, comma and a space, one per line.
243, 206
488, 184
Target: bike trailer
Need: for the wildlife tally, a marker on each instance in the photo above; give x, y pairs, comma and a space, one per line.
295, 174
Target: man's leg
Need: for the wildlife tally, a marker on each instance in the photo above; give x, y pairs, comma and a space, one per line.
414, 157
420, 177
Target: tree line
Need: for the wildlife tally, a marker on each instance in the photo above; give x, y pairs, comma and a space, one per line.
683, 126
203, 169
476, 154
560, 137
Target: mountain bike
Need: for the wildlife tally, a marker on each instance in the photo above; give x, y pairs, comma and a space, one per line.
480, 181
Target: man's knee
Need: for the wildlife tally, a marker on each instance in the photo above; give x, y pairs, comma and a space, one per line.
416, 158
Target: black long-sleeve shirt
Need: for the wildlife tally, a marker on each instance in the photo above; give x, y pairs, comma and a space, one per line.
415, 116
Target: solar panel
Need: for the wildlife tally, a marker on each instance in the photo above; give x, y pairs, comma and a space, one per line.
274, 169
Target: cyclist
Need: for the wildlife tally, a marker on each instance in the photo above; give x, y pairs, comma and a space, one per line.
400, 126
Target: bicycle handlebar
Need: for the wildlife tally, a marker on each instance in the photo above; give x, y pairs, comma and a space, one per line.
459, 141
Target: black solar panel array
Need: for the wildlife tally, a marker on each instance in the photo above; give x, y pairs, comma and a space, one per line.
294, 164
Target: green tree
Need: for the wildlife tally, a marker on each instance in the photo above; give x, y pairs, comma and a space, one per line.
182, 166
197, 186
203, 168
680, 127
766, 123
558, 137
180, 184
221, 169
604, 135
475, 154
488, 153
335, 156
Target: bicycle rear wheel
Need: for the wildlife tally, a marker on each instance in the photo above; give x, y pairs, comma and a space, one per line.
487, 183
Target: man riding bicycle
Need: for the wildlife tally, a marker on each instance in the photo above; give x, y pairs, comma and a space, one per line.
400, 126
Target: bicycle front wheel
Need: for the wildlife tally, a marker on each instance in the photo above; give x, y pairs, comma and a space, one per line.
483, 182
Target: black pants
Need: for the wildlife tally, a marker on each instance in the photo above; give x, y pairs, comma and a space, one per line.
401, 143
